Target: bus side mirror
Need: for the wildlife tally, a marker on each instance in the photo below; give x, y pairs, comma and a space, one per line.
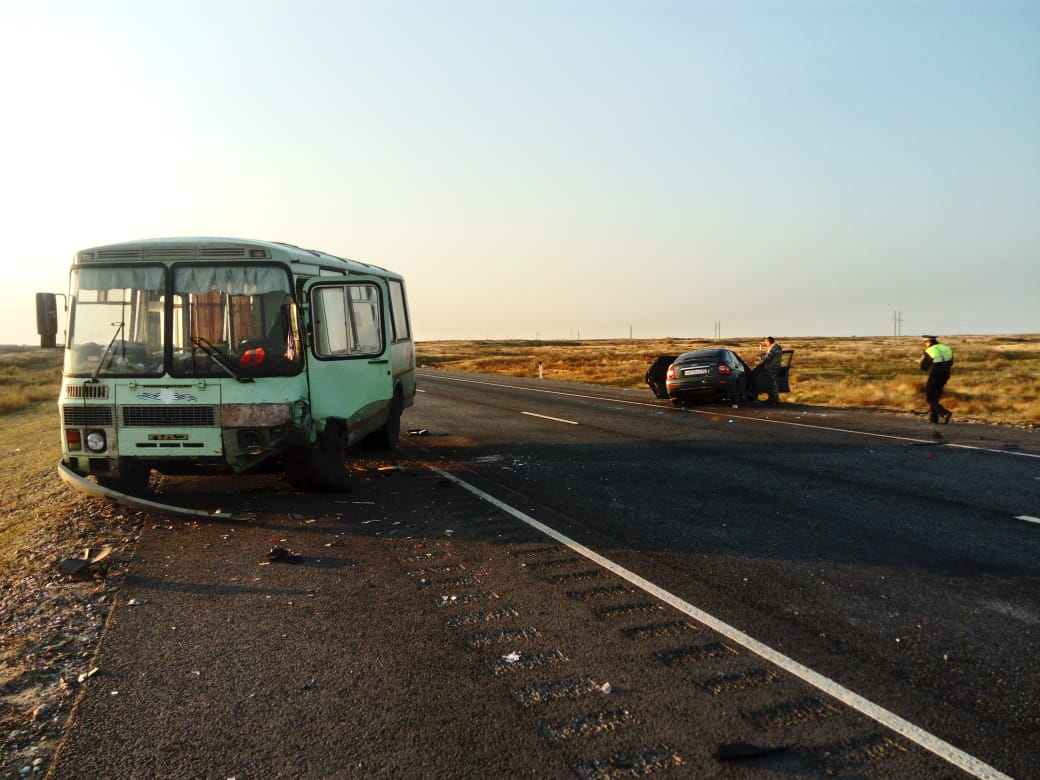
47, 319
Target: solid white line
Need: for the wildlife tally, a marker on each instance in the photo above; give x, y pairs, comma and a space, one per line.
886, 718
741, 417
547, 417
1028, 519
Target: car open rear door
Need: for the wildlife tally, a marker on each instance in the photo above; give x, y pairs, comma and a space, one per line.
656, 375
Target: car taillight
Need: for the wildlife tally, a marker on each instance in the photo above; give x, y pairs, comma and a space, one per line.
671, 373
724, 369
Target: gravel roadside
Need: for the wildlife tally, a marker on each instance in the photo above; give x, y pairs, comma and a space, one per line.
50, 622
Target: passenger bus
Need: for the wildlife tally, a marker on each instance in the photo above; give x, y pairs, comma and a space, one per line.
217, 355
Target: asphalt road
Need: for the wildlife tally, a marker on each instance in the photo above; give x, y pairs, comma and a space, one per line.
558, 580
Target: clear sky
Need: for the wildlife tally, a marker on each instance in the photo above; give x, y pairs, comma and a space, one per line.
549, 169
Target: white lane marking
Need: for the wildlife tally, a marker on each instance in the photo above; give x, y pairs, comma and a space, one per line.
1028, 519
740, 417
915, 734
547, 417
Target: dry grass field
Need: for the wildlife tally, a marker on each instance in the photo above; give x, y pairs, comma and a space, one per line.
995, 379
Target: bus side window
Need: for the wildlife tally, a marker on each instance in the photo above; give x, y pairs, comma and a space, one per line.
330, 330
399, 312
366, 320
347, 320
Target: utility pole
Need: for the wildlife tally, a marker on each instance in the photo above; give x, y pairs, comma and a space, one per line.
718, 329
897, 323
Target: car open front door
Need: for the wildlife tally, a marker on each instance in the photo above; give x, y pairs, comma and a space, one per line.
349, 363
783, 376
760, 382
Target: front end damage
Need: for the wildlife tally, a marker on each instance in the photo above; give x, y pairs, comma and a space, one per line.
175, 429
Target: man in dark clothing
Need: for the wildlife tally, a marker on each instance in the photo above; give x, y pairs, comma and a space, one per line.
937, 360
771, 360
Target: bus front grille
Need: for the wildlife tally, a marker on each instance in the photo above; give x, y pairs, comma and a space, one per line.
168, 416
97, 416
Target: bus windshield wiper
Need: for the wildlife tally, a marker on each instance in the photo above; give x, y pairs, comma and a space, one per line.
219, 358
108, 351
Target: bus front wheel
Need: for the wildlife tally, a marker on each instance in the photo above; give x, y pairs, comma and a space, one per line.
319, 467
387, 437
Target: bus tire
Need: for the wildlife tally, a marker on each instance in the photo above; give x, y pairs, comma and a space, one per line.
387, 437
318, 468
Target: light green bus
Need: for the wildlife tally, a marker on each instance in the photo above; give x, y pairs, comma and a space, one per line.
219, 355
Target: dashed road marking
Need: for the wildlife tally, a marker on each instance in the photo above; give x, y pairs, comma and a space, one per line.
946, 751
547, 417
1028, 519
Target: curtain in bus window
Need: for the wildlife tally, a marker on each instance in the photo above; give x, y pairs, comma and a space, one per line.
127, 278
238, 280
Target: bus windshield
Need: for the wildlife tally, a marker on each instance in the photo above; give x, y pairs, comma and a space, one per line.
233, 320
116, 321
223, 320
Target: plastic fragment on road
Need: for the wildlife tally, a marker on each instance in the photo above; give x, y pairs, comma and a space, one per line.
88, 559
279, 554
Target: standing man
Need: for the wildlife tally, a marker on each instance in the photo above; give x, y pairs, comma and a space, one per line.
937, 360
771, 360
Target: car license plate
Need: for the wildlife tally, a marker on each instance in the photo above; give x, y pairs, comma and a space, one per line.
694, 371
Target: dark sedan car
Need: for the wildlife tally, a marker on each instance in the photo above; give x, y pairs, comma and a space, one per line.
709, 375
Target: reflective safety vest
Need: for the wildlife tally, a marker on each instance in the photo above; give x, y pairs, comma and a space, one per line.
939, 353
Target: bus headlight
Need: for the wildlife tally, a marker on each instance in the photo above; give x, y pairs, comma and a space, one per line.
96, 441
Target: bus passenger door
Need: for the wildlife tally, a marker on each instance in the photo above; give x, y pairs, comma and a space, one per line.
348, 368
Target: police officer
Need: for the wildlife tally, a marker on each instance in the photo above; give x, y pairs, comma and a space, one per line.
937, 360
